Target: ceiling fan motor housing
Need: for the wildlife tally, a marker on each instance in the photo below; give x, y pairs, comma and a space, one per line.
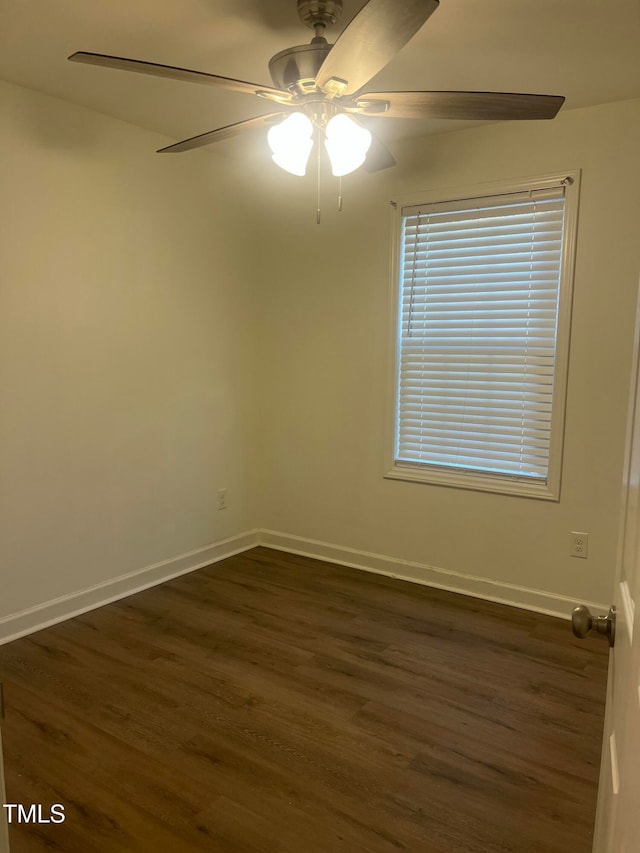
298, 66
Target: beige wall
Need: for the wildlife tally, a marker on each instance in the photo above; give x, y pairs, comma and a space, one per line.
323, 386
126, 351
151, 352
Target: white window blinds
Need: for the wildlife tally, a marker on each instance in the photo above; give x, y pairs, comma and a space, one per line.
480, 281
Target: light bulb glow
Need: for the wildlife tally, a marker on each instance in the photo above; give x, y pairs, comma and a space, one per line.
291, 142
347, 144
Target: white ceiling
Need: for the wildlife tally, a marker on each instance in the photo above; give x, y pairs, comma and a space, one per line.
587, 50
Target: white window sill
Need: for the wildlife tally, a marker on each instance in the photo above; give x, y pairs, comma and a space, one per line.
473, 480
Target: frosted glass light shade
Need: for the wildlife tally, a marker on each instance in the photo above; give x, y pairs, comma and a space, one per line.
291, 142
347, 144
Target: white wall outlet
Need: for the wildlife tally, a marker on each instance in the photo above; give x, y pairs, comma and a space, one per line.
222, 499
579, 545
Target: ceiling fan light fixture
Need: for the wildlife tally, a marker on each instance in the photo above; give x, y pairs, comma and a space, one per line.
291, 142
347, 144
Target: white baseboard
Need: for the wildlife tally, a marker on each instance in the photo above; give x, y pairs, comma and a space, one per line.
502, 593
42, 615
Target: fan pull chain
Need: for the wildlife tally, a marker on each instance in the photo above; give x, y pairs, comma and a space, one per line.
340, 194
318, 140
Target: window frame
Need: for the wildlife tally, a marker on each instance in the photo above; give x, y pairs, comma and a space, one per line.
419, 472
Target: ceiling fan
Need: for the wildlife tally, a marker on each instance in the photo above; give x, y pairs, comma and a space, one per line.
318, 89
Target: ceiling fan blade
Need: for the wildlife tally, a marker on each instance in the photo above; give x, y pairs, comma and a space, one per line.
220, 133
472, 106
185, 74
378, 156
370, 41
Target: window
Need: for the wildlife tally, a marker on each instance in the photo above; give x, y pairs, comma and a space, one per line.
482, 289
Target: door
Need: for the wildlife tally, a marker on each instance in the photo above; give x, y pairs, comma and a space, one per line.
618, 815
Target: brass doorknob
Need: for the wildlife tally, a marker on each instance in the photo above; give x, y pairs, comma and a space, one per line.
582, 622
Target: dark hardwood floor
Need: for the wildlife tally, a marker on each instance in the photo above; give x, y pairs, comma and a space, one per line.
277, 703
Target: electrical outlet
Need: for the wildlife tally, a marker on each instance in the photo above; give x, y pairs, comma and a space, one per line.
222, 499
579, 545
